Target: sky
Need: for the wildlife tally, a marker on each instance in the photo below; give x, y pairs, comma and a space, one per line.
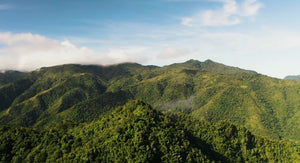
259, 35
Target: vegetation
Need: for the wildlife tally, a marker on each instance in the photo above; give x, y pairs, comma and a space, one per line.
10, 76
205, 90
138, 133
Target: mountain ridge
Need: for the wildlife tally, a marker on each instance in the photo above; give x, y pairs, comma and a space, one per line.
292, 77
136, 132
8, 76
206, 90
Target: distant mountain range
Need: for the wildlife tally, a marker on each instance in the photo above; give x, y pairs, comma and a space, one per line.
198, 112
293, 77
206, 90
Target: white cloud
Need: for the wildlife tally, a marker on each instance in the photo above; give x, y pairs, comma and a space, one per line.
231, 13
172, 53
268, 50
26, 51
250, 7
265, 48
183, 0
5, 6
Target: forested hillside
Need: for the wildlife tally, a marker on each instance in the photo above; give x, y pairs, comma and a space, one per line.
10, 76
205, 90
136, 132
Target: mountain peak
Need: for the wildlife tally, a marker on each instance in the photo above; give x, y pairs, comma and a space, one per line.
293, 77
211, 66
209, 61
139, 108
193, 63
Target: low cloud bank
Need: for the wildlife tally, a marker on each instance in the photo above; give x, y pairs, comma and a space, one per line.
27, 51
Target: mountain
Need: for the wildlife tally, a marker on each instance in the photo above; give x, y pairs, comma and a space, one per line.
293, 77
10, 76
49, 95
206, 90
136, 132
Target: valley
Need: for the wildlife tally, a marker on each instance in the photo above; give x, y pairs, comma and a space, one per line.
198, 110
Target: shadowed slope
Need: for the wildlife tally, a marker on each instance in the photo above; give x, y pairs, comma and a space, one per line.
206, 90
136, 132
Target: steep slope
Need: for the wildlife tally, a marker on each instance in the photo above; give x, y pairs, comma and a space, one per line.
265, 105
206, 90
138, 133
10, 76
49, 95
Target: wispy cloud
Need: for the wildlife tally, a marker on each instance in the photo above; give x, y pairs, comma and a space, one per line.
172, 53
5, 6
231, 13
183, 0
26, 51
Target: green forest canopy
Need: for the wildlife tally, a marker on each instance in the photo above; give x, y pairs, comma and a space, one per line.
136, 132
205, 90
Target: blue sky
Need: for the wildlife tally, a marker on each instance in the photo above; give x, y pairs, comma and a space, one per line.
260, 35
